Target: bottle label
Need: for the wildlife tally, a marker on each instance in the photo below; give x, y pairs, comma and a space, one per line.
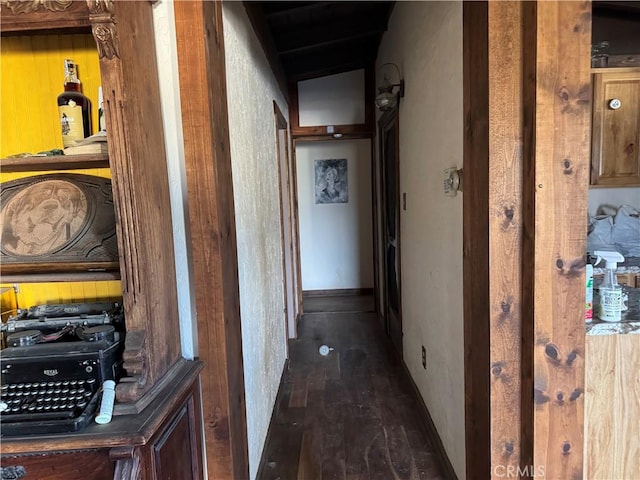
71, 123
610, 304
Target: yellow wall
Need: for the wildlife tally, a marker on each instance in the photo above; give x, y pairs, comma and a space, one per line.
31, 78
30, 294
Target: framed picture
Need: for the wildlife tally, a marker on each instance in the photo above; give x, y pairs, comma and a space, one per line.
331, 184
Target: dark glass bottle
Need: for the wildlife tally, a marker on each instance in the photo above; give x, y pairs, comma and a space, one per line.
73, 108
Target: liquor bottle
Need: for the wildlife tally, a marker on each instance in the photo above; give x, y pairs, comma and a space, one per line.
73, 108
102, 124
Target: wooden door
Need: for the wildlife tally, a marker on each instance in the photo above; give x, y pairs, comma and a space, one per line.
615, 149
290, 280
390, 181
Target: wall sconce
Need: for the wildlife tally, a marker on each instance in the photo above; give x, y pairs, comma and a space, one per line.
386, 100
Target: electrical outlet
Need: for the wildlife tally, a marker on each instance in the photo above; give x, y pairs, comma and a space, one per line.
424, 358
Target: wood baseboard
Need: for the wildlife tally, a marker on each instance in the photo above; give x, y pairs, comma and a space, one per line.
430, 429
342, 292
262, 472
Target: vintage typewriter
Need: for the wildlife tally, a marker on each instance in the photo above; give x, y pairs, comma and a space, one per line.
55, 359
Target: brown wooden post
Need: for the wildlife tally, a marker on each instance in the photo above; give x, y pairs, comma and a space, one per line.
506, 138
476, 239
526, 89
203, 96
560, 185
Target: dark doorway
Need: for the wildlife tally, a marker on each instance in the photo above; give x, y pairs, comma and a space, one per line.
389, 170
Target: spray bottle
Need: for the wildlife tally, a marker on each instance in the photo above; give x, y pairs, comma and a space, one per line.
610, 291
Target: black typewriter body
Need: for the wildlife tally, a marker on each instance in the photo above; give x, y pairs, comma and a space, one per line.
54, 364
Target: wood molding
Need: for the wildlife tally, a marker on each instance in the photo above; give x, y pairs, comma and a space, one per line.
103, 27
138, 161
200, 44
34, 15
341, 292
361, 131
430, 429
476, 239
263, 467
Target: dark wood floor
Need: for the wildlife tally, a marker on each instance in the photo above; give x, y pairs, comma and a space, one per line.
348, 415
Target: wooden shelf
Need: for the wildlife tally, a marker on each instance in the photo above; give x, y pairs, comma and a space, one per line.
59, 162
60, 277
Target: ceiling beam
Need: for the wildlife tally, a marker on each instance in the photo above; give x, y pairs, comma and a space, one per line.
323, 35
329, 62
295, 7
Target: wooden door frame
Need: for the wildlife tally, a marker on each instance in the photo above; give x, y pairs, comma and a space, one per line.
388, 118
281, 124
296, 229
526, 164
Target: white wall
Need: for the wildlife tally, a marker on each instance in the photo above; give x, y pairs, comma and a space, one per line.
336, 239
251, 90
614, 196
332, 100
425, 40
167, 58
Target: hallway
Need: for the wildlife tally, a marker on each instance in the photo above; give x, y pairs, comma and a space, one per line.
348, 415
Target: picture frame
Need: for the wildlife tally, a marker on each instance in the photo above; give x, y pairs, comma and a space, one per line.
331, 181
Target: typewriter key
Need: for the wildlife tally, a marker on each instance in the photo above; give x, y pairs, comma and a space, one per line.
101, 332
24, 338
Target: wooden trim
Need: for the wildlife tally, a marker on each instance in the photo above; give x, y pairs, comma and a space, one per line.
391, 120
622, 61
281, 124
375, 225
476, 239
631, 69
560, 180
429, 428
341, 292
59, 277
296, 230
529, 61
33, 15
262, 468
58, 162
140, 184
200, 43
324, 138
356, 129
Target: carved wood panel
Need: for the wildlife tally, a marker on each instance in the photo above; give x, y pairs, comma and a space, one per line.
50, 221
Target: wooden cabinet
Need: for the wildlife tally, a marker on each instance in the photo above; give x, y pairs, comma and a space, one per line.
155, 432
615, 142
612, 406
124, 37
162, 442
